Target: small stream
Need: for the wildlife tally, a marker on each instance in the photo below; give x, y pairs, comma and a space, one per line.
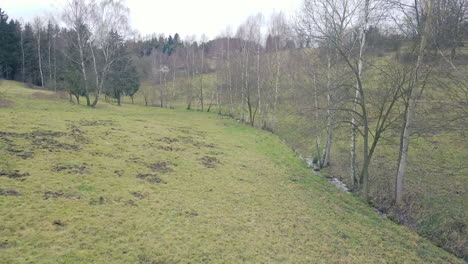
335, 181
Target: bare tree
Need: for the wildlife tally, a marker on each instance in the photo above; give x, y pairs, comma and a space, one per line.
278, 32
23, 68
251, 35
363, 28
327, 21
331, 22
229, 71
190, 51
414, 93
108, 17
76, 16
38, 27
203, 40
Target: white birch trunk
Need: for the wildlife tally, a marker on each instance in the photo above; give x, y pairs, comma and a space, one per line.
49, 46
327, 149
38, 38
201, 77
259, 104
83, 66
363, 35
277, 85
410, 113
22, 56
231, 102
317, 118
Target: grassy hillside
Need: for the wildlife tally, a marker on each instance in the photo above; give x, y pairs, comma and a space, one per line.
146, 185
436, 182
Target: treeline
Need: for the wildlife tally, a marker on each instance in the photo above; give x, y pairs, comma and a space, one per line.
87, 57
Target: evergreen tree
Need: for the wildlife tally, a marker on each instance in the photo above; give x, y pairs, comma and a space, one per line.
31, 67
10, 49
169, 46
122, 78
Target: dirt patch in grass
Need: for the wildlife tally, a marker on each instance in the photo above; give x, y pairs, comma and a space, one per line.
9, 193
210, 162
215, 153
25, 155
151, 178
4, 135
14, 150
13, 174
54, 195
6, 103
200, 144
131, 203
183, 131
58, 223
71, 168
191, 213
60, 194
162, 167
53, 145
7, 244
138, 195
48, 134
97, 123
78, 134
196, 143
134, 160
99, 201
169, 148
45, 140
34, 134
168, 140
189, 131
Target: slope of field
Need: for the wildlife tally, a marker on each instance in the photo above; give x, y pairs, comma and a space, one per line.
134, 184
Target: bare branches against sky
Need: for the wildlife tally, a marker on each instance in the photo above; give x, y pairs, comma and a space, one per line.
182, 16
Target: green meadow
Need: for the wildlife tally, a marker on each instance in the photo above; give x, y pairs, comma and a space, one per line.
135, 184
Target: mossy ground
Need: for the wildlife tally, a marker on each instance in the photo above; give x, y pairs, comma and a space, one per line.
134, 184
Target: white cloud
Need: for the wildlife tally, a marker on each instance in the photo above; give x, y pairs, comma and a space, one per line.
186, 17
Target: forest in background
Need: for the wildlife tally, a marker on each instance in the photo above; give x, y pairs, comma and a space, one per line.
375, 92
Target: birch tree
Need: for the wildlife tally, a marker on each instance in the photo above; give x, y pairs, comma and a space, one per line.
413, 94
326, 21
23, 67
278, 30
331, 21
76, 16
190, 51
202, 69
229, 71
109, 17
363, 28
250, 33
38, 27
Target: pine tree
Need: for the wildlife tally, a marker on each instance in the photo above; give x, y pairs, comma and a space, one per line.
32, 75
10, 49
123, 75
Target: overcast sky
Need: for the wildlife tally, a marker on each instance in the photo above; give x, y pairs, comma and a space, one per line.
186, 17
